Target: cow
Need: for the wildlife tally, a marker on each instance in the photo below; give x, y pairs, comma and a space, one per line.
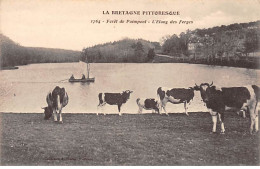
56, 100
114, 99
175, 96
147, 104
218, 100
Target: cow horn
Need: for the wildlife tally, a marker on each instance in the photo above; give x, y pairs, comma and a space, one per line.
211, 84
196, 85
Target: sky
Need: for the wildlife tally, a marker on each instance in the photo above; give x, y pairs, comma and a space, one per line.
66, 24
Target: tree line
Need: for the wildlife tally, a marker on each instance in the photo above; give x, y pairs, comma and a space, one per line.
223, 45
125, 50
13, 54
232, 45
224, 41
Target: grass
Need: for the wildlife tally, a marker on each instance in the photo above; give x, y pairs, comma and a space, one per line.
145, 139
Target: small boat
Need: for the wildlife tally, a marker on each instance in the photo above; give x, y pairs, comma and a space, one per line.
83, 80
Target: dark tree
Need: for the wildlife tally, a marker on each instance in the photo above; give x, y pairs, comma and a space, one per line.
151, 54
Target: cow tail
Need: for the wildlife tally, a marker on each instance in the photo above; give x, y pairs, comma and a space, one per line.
100, 99
137, 100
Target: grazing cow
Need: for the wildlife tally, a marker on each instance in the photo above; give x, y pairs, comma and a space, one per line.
236, 98
175, 96
56, 100
147, 104
114, 99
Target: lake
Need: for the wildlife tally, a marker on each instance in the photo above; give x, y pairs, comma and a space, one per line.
24, 90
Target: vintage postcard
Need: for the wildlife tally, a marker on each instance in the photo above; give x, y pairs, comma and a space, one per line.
129, 83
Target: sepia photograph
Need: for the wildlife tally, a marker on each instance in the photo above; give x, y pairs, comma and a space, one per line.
129, 82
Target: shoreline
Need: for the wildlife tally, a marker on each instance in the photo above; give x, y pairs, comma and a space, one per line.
252, 65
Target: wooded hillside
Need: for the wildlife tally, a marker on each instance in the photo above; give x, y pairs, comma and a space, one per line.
126, 50
220, 41
13, 54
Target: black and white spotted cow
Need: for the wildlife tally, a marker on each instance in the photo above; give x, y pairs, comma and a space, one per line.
114, 99
147, 104
175, 96
56, 100
233, 98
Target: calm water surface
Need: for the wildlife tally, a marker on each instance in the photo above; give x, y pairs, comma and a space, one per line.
24, 90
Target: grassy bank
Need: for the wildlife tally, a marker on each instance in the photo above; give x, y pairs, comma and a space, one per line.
147, 139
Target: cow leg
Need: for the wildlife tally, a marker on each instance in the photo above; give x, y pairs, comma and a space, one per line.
60, 116
244, 113
119, 107
256, 124
140, 110
256, 119
101, 106
160, 107
102, 109
253, 110
185, 107
157, 110
252, 124
55, 115
164, 108
214, 120
221, 119
253, 116
160, 112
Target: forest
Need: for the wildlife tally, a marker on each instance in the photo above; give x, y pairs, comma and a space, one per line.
13, 54
125, 50
232, 45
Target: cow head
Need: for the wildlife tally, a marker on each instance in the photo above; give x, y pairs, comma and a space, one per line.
128, 91
126, 94
205, 90
47, 112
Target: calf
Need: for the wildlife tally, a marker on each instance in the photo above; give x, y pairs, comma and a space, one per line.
56, 100
175, 96
236, 98
114, 99
148, 104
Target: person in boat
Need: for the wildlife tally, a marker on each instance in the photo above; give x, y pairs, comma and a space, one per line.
72, 77
83, 76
